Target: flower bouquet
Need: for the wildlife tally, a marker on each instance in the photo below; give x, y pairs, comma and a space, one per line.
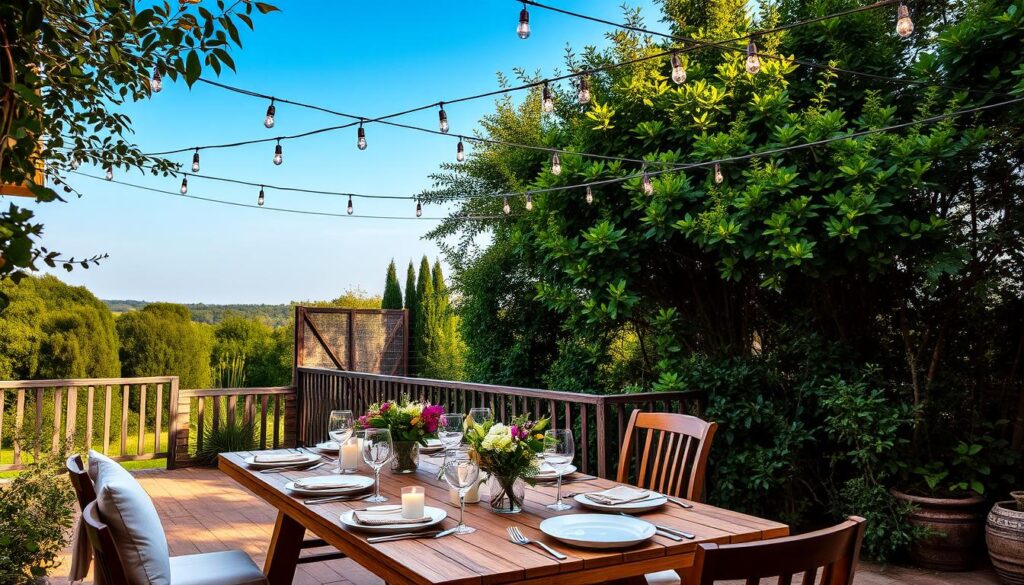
508, 454
410, 423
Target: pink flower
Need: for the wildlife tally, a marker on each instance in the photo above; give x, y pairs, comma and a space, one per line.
384, 407
431, 416
364, 421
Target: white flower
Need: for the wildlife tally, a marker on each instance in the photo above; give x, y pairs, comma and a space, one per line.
499, 438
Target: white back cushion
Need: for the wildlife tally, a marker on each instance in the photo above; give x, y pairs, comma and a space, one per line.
129, 512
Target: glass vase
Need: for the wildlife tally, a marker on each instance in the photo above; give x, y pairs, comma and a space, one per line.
506, 494
407, 457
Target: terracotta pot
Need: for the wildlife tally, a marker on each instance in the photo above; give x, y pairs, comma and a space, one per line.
954, 527
1004, 535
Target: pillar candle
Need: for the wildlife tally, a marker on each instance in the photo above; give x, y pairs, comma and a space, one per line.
351, 453
412, 502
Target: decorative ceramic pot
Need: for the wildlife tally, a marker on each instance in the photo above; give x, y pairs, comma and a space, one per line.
953, 527
505, 494
407, 457
1004, 535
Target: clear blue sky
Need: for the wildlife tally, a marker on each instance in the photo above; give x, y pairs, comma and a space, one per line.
367, 58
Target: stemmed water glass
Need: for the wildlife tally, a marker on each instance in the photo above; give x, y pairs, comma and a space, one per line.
461, 472
559, 450
377, 451
340, 427
480, 415
450, 432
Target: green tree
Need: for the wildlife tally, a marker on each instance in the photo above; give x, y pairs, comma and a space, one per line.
412, 305
442, 351
424, 292
392, 291
53, 330
250, 343
162, 340
68, 66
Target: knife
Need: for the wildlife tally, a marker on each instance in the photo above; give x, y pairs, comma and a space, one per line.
303, 467
403, 536
671, 530
679, 502
668, 535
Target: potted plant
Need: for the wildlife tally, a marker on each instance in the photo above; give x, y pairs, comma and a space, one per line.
1004, 535
508, 455
947, 497
410, 423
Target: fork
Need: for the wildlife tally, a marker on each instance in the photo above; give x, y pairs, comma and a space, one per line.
322, 455
519, 538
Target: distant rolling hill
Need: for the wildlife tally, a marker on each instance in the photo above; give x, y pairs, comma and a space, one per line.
274, 315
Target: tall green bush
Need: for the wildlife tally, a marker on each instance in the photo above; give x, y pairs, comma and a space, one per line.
162, 340
392, 298
412, 307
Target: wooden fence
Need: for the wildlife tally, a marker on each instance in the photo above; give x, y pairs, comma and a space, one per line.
598, 421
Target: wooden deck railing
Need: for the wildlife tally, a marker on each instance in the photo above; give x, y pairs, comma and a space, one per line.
599, 421
125, 418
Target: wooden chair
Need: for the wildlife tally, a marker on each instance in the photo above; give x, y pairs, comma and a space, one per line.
85, 490
107, 561
674, 456
834, 551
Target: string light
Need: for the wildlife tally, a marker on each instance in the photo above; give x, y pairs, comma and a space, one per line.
678, 71
547, 103
753, 62
361, 137
529, 202
259, 200
419, 209
110, 173
523, 30
505, 208
271, 110
74, 163
590, 195
349, 208
442, 119
556, 164
184, 185
583, 97
195, 161
156, 83
904, 26
647, 184
278, 155
718, 174
460, 151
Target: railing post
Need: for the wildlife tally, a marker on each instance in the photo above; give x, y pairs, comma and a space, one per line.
602, 437
177, 425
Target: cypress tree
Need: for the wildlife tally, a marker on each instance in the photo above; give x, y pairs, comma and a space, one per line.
424, 297
392, 298
412, 306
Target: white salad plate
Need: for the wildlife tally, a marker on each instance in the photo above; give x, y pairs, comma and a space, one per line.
327, 446
652, 501
306, 459
358, 483
598, 530
551, 475
437, 515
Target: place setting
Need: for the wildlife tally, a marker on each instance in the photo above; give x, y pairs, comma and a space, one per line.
277, 462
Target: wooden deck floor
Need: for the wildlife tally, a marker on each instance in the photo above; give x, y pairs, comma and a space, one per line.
205, 511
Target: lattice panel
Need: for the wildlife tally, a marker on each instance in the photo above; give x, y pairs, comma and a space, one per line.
333, 328
377, 342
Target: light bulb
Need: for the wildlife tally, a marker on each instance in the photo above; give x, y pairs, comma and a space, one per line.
157, 82
556, 164
269, 120
361, 142
184, 185
647, 184
590, 195
278, 156
523, 30
259, 200
678, 72
195, 161
460, 152
547, 102
904, 26
529, 202
753, 62
505, 208
419, 209
110, 173
74, 163
718, 174
442, 119
349, 209
583, 96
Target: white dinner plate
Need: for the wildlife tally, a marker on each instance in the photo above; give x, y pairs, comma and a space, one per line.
652, 501
358, 482
307, 459
552, 476
327, 446
437, 515
433, 446
598, 530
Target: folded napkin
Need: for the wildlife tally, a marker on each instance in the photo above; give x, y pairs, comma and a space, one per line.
337, 484
280, 458
385, 516
328, 446
618, 495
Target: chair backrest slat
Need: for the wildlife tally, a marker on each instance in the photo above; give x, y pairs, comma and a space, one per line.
679, 455
80, 480
108, 561
836, 550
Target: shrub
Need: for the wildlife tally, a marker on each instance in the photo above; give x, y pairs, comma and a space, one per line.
224, 440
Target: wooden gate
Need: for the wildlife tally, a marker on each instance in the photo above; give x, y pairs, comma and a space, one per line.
373, 341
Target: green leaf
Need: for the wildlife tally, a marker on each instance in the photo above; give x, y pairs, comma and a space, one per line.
192, 68
265, 8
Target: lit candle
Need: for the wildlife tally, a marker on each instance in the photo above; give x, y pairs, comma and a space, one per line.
412, 502
350, 453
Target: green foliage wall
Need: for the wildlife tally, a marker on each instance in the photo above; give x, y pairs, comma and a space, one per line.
162, 340
266, 360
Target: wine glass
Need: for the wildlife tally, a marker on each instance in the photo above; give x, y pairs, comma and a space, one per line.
377, 451
340, 426
461, 472
451, 429
559, 450
480, 415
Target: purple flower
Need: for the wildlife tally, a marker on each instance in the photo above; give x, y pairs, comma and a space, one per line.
384, 407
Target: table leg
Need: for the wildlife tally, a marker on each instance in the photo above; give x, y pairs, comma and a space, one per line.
285, 546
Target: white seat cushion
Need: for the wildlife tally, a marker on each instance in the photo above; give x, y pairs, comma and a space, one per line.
232, 567
129, 513
663, 578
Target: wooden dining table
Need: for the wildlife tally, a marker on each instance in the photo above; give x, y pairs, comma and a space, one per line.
485, 556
